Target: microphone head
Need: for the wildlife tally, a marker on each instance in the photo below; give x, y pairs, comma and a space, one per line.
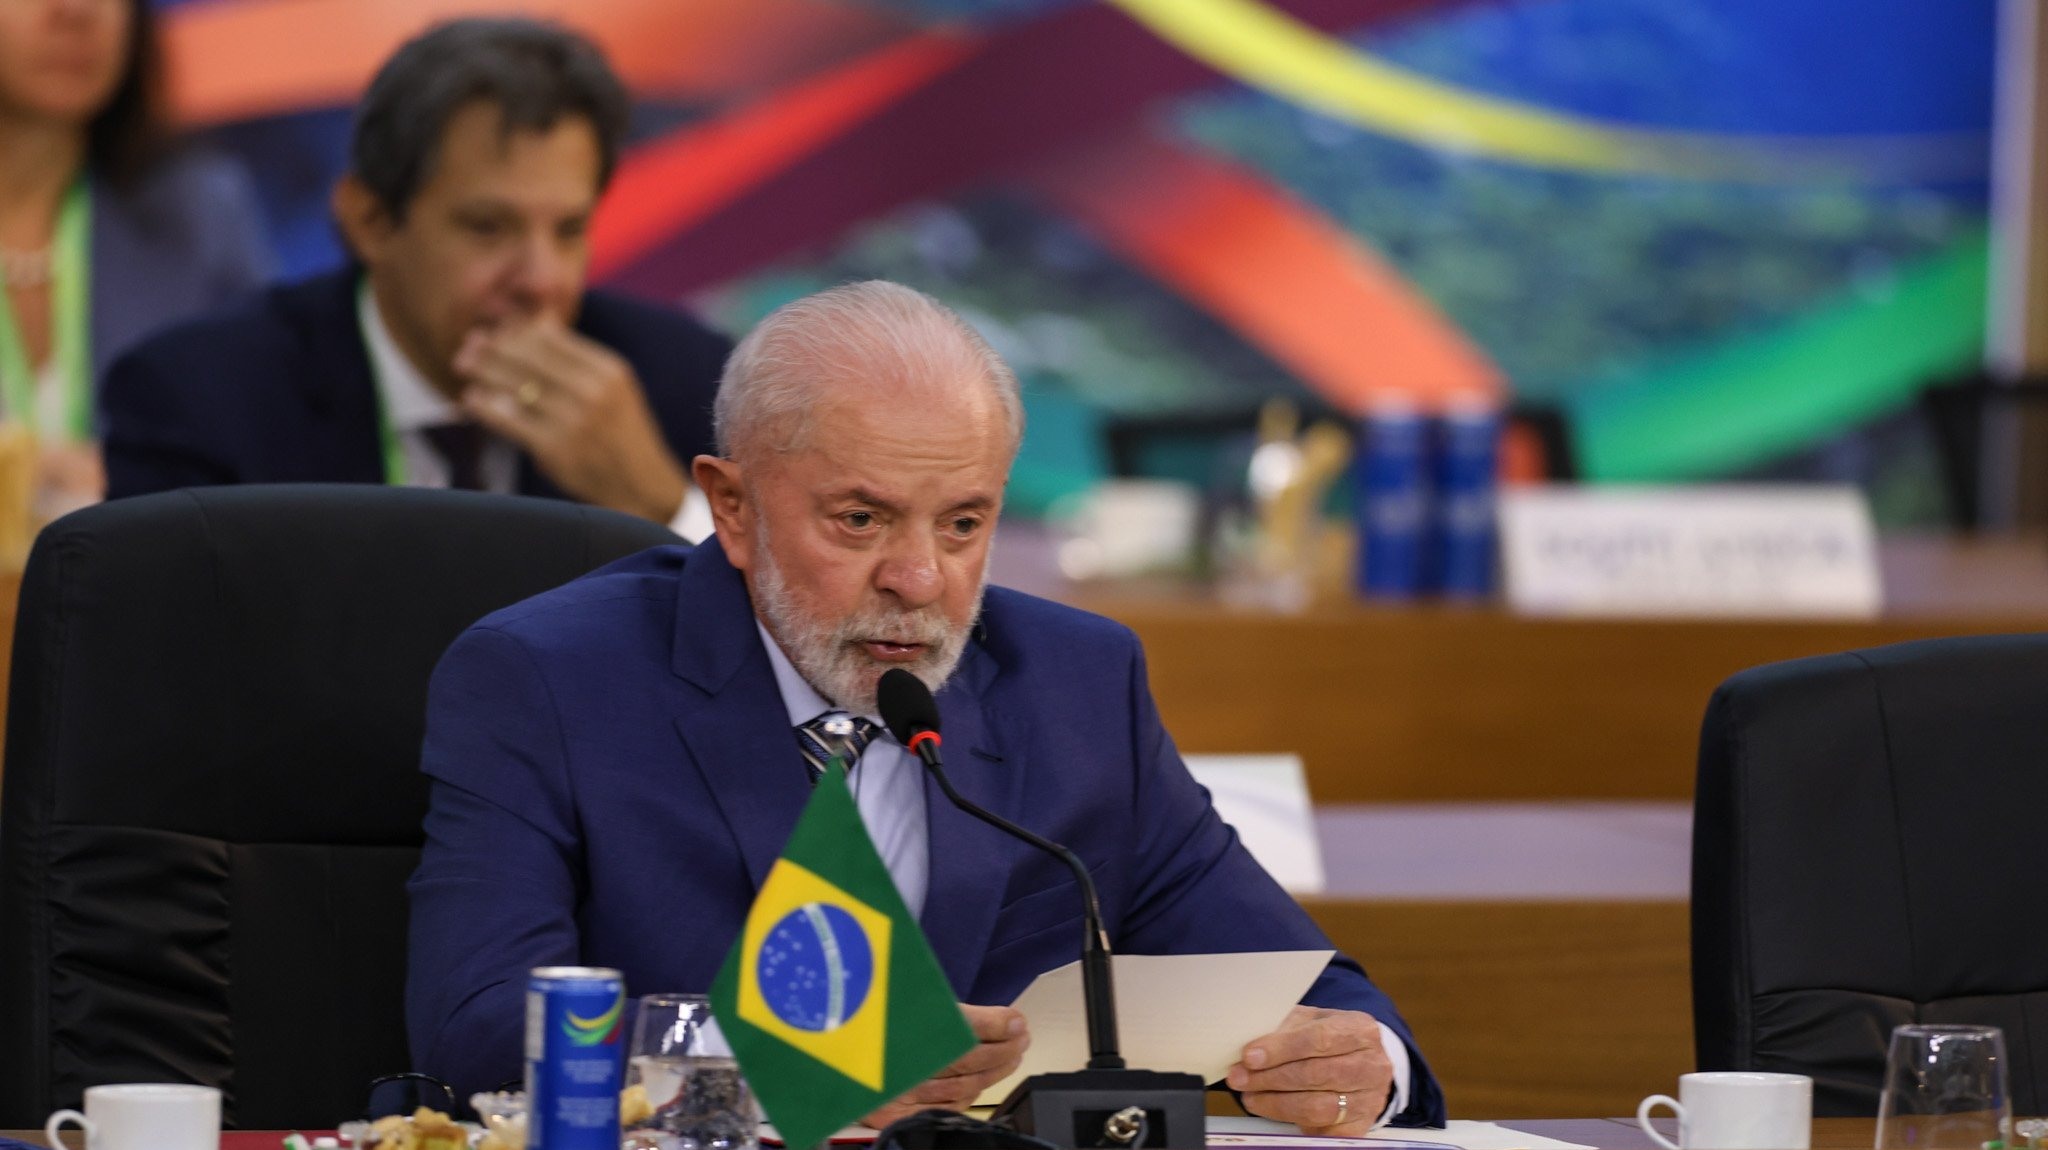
906, 704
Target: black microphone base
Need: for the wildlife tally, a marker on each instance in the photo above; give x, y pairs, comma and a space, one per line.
1071, 1110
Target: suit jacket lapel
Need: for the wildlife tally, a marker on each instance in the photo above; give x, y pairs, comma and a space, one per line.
968, 858
339, 390
734, 724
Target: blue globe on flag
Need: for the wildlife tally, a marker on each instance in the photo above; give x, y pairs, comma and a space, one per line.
815, 967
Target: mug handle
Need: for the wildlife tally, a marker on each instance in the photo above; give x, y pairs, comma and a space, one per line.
1643, 1118
58, 1120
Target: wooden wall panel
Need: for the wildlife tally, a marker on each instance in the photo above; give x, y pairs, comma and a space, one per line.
1422, 703
1532, 1009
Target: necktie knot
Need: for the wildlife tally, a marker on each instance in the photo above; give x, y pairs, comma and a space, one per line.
834, 733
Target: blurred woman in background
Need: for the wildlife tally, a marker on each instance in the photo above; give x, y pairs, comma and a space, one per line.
105, 235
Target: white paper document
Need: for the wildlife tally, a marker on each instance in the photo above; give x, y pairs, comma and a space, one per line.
1174, 1012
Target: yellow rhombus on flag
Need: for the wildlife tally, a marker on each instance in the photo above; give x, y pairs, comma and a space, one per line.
831, 998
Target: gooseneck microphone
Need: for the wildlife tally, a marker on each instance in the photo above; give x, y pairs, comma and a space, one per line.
912, 715
1105, 1104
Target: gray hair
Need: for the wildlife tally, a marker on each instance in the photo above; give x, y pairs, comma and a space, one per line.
871, 329
535, 72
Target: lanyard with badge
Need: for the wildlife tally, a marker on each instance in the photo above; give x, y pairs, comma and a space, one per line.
69, 291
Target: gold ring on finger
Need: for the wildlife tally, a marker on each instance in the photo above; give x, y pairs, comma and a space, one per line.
1343, 1109
528, 395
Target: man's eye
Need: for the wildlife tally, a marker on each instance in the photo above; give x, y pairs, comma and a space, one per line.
484, 228
966, 526
860, 519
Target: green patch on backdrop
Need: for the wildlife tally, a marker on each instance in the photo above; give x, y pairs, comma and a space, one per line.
1062, 453
1750, 399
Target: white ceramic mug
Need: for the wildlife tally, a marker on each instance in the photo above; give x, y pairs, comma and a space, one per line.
144, 1116
1736, 1110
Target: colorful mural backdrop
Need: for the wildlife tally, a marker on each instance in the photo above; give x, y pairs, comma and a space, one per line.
1715, 237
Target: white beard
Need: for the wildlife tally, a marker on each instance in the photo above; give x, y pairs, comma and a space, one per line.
829, 654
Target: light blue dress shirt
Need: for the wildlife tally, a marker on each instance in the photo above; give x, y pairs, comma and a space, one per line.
887, 782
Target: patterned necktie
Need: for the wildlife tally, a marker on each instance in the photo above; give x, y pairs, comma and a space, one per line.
462, 446
834, 733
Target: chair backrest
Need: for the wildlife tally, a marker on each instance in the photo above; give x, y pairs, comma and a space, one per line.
1868, 850
212, 799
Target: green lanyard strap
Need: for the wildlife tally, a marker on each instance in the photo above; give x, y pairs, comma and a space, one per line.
70, 289
387, 439
387, 436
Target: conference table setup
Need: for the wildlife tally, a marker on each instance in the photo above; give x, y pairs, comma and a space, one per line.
1543, 836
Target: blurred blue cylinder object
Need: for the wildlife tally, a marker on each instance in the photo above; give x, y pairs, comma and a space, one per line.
1392, 503
1467, 464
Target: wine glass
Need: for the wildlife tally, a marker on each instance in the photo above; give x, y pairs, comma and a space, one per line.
693, 1084
1945, 1087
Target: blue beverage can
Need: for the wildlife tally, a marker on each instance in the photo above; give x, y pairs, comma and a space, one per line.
575, 1017
1467, 469
1391, 502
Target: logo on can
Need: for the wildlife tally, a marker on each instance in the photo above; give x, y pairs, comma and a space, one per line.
574, 1015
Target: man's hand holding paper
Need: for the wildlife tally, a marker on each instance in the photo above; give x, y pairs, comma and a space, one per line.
1326, 1071
1004, 1037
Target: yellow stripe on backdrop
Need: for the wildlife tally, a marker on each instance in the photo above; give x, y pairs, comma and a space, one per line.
1259, 45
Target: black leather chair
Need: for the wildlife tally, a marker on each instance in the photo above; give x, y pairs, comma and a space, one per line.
1870, 847
211, 798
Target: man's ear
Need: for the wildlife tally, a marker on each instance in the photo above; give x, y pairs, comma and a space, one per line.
726, 491
366, 226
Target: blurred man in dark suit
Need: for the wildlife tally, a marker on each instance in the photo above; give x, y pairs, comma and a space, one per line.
460, 348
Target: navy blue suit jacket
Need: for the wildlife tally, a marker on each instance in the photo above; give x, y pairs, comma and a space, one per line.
613, 773
278, 389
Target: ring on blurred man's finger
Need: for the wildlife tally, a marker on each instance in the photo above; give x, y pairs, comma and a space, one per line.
528, 395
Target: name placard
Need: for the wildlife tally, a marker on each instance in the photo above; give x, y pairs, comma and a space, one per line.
1677, 551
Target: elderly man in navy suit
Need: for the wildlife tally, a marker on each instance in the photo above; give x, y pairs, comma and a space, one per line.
617, 763
461, 349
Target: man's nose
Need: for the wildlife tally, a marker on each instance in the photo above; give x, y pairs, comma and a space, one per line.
541, 272
910, 570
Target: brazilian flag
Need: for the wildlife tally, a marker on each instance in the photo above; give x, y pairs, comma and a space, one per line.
831, 998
